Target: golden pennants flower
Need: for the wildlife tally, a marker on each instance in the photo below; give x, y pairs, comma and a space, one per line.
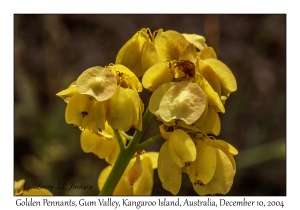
103, 144
211, 171
214, 169
125, 107
138, 53
104, 94
189, 86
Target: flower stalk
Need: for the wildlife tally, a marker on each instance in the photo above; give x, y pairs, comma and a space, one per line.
125, 156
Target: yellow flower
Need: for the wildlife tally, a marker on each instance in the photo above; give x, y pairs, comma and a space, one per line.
172, 48
86, 98
138, 53
19, 190
211, 171
104, 94
141, 173
125, 108
214, 168
103, 144
181, 61
201, 68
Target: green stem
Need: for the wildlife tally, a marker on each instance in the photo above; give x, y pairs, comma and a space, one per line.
128, 137
119, 139
149, 141
124, 157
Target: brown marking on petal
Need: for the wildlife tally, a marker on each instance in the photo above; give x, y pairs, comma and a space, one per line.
84, 113
199, 183
187, 164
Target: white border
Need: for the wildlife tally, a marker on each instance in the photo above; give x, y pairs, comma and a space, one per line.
8, 8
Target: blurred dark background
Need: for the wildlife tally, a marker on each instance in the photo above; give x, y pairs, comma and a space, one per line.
51, 51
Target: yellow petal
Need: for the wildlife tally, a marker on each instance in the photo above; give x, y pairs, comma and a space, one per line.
212, 97
181, 147
186, 126
68, 93
225, 150
157, 75
91, 142
227, 79
222, 179
207, 52
189, 53
122, 188
211, 77
184, 101
156, 97
97, 82
37, 191
120, 110
153, 157
217, 126
203, 168
228, 146
98, 116
149, 55
78, 110
112, 157
169, 172
108, 132
165, 134
136, 109
197, 40
139, 125
131, 52
103, 177
202, 118
170, 45
144, 184
209, 122
124, 70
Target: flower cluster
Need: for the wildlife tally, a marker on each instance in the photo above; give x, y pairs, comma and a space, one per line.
104, 94
189, 86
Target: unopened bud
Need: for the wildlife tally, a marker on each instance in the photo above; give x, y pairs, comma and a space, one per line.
135, 171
